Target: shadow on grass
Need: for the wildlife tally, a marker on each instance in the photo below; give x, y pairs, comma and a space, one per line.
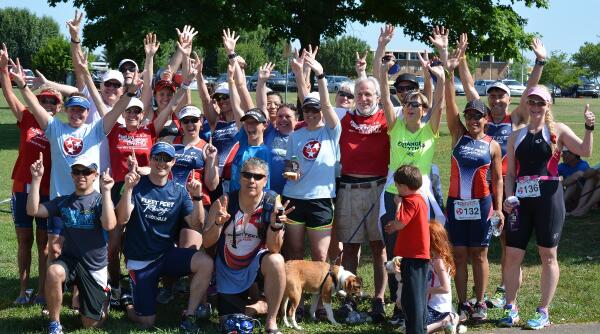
9, 136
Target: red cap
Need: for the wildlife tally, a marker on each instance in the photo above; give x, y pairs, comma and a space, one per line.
50, 92
164, 84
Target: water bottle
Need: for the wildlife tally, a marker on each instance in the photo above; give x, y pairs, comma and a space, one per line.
494, 225
513, 217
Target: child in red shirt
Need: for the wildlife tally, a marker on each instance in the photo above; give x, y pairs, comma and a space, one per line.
412, 244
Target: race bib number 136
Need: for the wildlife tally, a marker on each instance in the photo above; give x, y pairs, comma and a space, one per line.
528, 188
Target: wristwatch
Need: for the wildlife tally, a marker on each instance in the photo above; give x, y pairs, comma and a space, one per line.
197, 198
130, 94
540, 62
321, 76
231, 56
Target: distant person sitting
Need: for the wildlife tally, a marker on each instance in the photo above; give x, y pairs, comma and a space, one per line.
572, 169
590, 192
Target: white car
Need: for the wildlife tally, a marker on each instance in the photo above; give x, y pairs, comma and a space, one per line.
516, 88
481, 86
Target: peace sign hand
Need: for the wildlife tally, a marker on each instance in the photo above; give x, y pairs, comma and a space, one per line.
361, 63
107, 181
222, 216
281, 218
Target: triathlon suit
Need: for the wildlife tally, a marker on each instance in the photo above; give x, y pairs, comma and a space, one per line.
500, 133
538, 186
189, 163
469, 200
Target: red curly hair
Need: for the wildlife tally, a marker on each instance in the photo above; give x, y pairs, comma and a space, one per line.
440, 245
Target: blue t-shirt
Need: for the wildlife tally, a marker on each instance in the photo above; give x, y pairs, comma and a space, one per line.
565, 170
85, 239
317, 153
244, 153
277, 144
66, 145
158, 213
186, 160
224, 140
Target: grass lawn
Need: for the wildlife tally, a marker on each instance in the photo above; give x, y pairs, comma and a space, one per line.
579, 256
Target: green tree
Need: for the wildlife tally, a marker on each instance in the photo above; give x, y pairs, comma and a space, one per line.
338, 56
560, 71
493, 27
53, 59
588, 57
24, 33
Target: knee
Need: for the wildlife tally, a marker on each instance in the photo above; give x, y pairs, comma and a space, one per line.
55, 273
460, 256
25, 239
202, 263
548, 257
478, 256
274, 263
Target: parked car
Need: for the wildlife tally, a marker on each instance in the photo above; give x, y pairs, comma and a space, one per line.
221, 78
585, 87
277, 81
334, 82
481, 86
458, 87
251, 83
555, 90
516, 88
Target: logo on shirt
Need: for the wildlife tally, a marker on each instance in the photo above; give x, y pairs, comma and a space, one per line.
311, 149
73, 146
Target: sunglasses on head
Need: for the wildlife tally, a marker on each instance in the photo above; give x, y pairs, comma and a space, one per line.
189, 120
404, 88
538, 103
257, 177
135, 110
162, 158
110, 84
84, 172
48, 100
474, 116
414, 104
221, 97
345, 94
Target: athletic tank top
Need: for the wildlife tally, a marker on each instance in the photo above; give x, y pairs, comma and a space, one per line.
500, 132
471, 159
441, 302
533, 154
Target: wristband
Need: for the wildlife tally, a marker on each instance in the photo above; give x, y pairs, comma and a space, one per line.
130, 94
540, 62
184, 86
196, 198
75, 42
231, 56
589, 127
24, 86
321, 76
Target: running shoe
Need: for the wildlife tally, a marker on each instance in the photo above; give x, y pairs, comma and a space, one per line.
21, 300
511, 317
55, 328
188, 325
377, 311
499, 298
465, 310
115, 297
480, 312
539, 321
165, 295
203, 311
397, 317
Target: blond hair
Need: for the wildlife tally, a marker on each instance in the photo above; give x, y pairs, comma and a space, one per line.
418, 94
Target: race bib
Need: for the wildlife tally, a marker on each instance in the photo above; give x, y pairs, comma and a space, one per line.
467, 209
528, 188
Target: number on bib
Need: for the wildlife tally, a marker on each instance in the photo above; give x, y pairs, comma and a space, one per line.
467, 209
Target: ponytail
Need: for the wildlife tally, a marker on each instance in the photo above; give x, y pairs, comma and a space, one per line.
549, 120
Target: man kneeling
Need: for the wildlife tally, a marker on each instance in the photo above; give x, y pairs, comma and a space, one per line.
154, 209
85, 216
248, 226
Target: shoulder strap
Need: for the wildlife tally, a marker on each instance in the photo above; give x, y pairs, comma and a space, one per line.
268, 206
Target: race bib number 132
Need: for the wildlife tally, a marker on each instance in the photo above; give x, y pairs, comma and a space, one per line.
467, 209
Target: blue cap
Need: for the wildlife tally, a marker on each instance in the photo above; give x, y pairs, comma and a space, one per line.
162, 147
78, 101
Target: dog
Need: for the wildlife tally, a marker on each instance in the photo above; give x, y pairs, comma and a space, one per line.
320, 279
393, 267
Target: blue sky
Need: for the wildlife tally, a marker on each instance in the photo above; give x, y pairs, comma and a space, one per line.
565, 26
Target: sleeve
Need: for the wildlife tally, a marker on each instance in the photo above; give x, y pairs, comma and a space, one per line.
584, 165
242, 137
98, 130
407, 211
52, 207
152, 131
51, 129
186, 203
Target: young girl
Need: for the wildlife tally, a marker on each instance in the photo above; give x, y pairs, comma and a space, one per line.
439, 294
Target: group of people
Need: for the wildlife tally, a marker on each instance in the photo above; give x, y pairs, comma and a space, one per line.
228, 192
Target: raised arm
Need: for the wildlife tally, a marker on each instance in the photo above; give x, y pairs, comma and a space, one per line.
108, 217
229, 42
34, 208
125, 205
11, 99
39, 113
81, 65
463, 70
184, 46
361, 65
520, 116
452, 116
207, 108
41, 81
427, 87
211, 166
109, 120
264, 72
297, 65
151, 46
331, 119
572, 141
385, 36
234, 97
388, 106
74, 26
438, 97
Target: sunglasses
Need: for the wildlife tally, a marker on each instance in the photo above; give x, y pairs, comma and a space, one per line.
257, 177
134, 111
537, 103
189, 120
84, 172
48, 100
162, 158
414, 104
311, 110
346, 94
221, 97
109, 84
387, 58
128, 69
404, 88
474, 116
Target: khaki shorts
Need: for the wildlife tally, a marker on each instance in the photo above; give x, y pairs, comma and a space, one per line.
352, 203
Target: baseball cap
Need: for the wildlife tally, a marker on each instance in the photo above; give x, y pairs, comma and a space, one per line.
125, 61
164, 84
255, 113
162, 147
541, 92
189, 111
84, 161
500, 85
135, 102
50, 93
222, 88
77, 101
476, 105
312, 100
407, 77
113, 75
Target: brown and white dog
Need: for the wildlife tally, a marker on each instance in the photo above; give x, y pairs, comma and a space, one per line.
313, 277
393, 267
